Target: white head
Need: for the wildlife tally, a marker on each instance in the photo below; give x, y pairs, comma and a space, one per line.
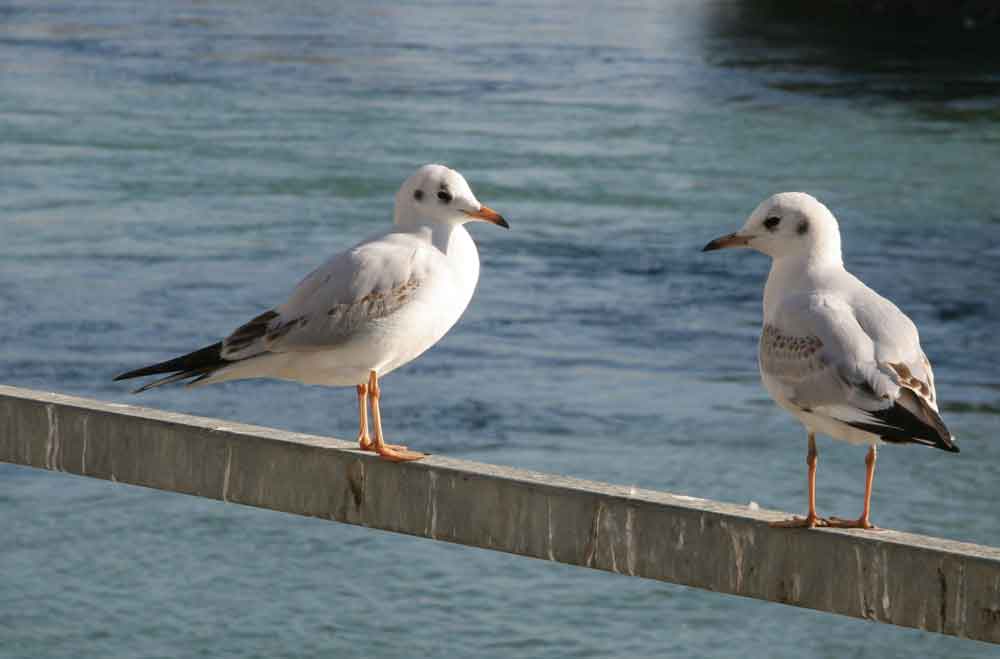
436, 194
788, 224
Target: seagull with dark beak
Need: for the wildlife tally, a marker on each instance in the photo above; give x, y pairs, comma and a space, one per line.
838, 356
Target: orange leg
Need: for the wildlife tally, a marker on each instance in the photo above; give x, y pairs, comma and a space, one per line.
364, 440
863, 522
388, 451
811, 520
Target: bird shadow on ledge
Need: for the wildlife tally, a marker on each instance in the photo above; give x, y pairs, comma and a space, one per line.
940, 58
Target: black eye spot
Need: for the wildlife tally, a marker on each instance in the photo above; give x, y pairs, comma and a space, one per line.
771, 223
803, 228
445, 196
418, 194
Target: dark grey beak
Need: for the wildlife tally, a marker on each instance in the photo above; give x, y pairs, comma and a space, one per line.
731, 240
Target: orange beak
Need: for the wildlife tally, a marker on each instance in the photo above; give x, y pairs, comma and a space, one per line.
487, 214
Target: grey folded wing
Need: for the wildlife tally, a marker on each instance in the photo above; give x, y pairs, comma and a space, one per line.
826, 361
335, 302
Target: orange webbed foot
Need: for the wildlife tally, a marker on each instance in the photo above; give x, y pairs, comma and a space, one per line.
394, 453
860, 523
807, 522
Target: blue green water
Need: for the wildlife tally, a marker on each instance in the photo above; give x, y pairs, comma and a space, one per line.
169, 170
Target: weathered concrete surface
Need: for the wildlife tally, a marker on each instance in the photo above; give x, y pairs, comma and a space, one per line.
898, 578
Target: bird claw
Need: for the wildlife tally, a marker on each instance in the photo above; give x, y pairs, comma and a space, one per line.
374, 449
365, 443
860, 523
808, 522
398, 454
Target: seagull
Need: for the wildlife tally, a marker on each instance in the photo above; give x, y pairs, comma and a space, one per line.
838, 356
363, 313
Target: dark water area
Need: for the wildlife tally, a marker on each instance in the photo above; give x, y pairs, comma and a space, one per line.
169, 170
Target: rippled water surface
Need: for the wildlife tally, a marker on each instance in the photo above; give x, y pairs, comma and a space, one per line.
170, 169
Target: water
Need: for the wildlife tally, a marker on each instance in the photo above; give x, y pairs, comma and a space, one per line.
170, 170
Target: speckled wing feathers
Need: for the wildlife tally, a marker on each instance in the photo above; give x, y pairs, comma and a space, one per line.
793, 357
335, 301
831, 369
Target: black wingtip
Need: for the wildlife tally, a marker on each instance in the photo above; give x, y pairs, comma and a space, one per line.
910, 420
145, 370
197, 362
945, 443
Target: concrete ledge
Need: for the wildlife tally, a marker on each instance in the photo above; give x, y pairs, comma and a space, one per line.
885, 576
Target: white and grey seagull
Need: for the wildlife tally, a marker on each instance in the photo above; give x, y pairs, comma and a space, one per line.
365, 312
834, 353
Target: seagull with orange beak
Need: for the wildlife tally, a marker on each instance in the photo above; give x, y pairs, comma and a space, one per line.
365, 312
